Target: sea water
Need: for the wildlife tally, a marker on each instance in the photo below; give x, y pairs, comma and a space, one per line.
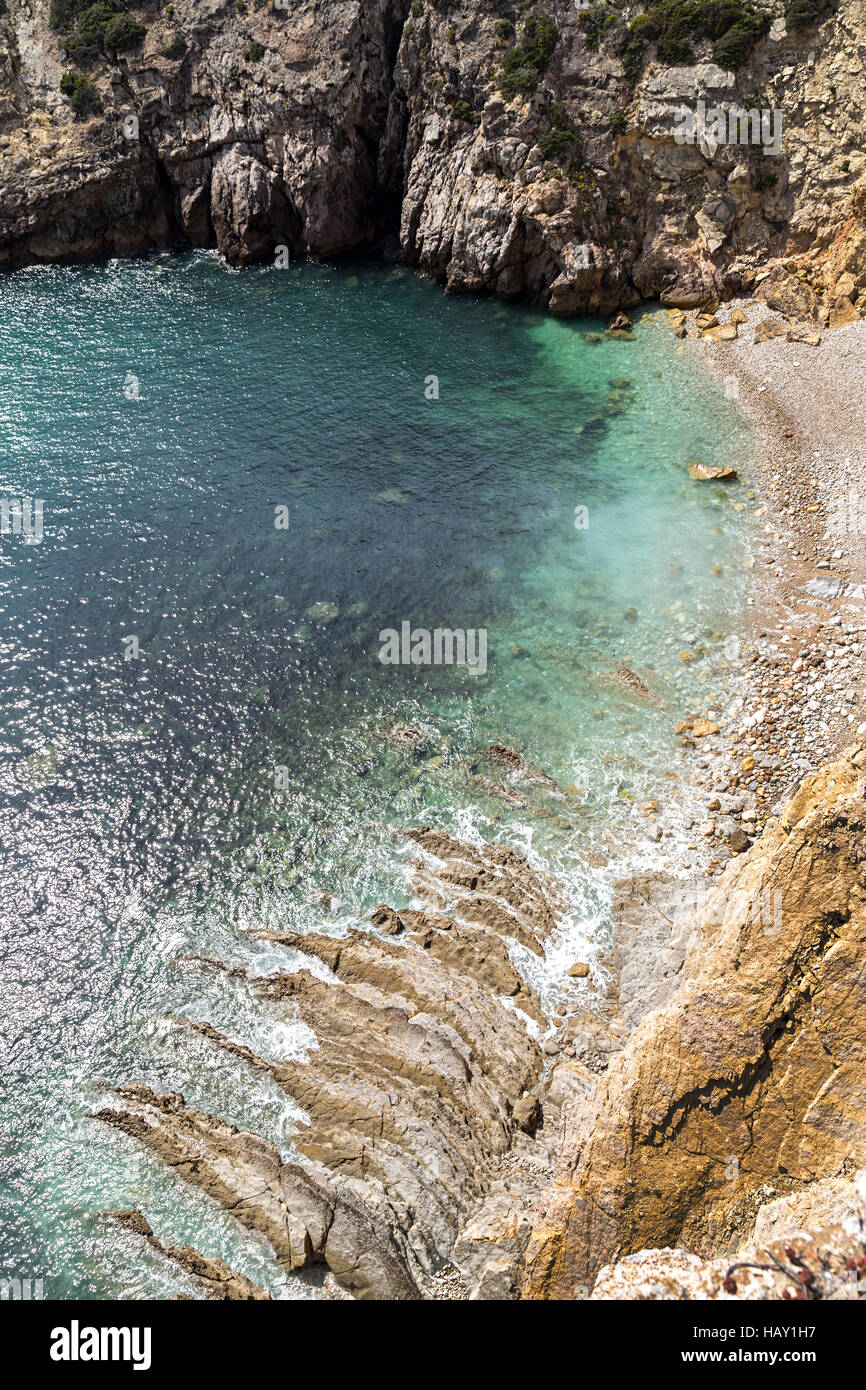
245, 479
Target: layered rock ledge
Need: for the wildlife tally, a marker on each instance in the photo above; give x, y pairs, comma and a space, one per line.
423, 1073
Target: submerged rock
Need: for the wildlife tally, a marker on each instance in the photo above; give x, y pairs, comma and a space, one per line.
213, 1275
705, 472
628, 680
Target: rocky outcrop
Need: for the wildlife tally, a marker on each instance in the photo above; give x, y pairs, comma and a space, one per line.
217, 1280
747, 1082
423, 1075
318, 127
811, 1246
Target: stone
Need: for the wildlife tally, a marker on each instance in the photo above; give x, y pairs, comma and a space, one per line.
579, 970
705, 472
770, 328
799, 333
527, 1114
698, 728
738, 841
843, 312
213, 1276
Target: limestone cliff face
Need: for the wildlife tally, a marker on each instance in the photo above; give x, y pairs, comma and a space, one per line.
748, 1083
321, 126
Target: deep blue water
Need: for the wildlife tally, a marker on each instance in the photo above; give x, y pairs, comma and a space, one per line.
243, 762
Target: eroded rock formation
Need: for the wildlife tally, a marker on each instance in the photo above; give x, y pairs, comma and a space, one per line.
705, 1090
749, 1079
218, 1281
318, 127
423, 1074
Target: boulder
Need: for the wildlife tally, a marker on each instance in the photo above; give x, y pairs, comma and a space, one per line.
770, 328
706, 473
527, 1114
723, 333
799, 333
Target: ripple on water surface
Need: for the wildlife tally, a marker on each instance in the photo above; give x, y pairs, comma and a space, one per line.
195, 725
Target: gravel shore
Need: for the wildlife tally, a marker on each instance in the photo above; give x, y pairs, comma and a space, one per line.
803, 698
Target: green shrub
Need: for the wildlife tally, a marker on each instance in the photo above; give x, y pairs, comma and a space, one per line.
523, 65
733, 48
803, 14
734, 26
617, 123
84, 98
539, 39
345, 55
559, 144
61, 14
88, 37
462, 111
175, 48
504, 30
123, 32
254, 51
762, 182
595, 23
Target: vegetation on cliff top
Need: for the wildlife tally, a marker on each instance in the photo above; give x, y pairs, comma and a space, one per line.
804, 14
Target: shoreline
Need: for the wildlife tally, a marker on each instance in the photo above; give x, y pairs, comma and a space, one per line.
802, 657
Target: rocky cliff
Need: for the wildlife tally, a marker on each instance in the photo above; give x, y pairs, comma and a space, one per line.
709, 1132
525, 149
747, 1084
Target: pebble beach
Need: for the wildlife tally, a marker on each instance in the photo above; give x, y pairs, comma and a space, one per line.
802, 696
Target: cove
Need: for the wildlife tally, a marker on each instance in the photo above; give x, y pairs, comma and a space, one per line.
250, 768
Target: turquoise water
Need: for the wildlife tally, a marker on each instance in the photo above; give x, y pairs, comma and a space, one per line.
238, 759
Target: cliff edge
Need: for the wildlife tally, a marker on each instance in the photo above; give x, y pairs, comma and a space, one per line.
748, 1083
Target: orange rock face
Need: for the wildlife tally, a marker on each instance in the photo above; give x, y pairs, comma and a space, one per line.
751, 1074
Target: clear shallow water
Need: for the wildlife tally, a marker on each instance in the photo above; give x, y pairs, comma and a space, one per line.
242, 764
